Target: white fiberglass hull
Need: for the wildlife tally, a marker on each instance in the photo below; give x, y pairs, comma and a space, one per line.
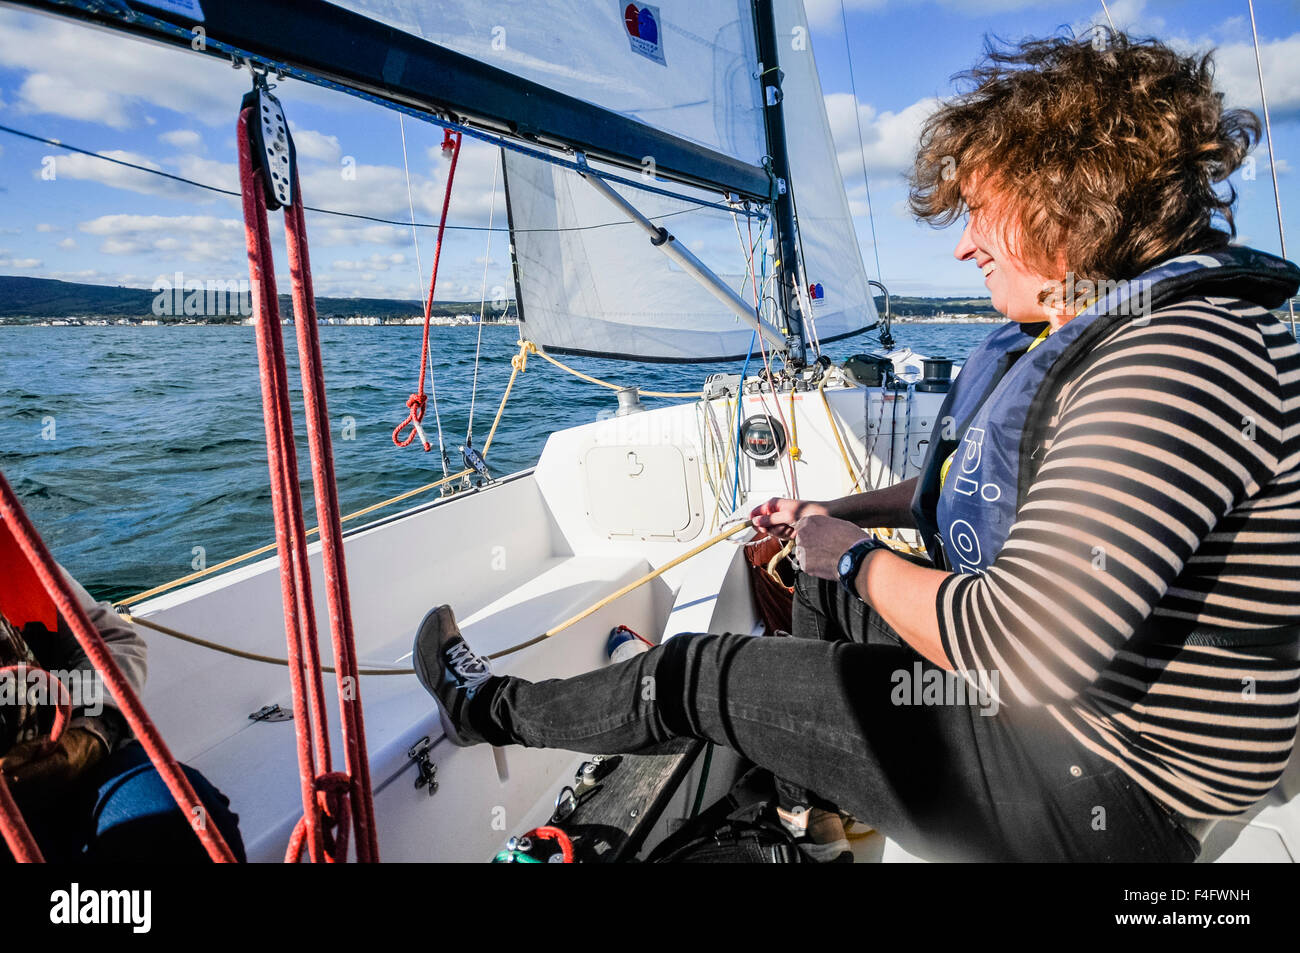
608, 502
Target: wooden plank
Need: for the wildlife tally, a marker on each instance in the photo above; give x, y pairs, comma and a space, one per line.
612, 821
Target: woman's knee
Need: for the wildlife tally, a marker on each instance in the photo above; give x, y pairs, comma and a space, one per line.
136, 818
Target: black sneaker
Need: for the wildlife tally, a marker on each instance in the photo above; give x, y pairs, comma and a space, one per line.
449, 671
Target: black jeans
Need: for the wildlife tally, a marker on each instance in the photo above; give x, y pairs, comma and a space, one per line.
122, 812
822, 712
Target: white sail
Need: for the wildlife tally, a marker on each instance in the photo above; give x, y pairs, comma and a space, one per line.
591, 282
686, 68
608, 291
831, 256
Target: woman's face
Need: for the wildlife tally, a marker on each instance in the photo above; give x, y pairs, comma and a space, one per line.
1016, 289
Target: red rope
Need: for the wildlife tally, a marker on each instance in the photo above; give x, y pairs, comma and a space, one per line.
328, 797
417, 402
356, 759
15, 830
285, 496
557, 835
92, 644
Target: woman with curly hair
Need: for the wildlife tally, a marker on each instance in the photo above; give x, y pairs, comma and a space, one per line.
1112, 514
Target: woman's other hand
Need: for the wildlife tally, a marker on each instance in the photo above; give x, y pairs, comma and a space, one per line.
43, 764
777, 516
820, 541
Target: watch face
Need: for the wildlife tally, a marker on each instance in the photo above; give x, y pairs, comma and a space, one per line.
846, 563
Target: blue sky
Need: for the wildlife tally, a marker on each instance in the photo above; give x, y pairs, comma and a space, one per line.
174, 111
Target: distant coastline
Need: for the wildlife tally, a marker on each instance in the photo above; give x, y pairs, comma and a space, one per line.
46, 302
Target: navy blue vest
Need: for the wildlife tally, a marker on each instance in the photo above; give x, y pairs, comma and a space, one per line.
996, 412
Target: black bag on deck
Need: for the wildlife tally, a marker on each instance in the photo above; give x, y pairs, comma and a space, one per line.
741, 828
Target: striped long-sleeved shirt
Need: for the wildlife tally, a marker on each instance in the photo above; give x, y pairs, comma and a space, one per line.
1168, 497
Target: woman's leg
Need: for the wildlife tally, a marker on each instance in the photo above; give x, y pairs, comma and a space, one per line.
135, 818
953, 780
822, 610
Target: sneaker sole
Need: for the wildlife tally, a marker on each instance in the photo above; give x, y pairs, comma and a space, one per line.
431, 629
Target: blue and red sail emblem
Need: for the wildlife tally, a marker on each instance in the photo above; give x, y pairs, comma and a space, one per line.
643, 31
817, 295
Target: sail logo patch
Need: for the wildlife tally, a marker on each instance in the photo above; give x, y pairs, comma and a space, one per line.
817, 295
642, 25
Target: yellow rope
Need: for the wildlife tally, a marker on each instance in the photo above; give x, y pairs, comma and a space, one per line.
795, 453
725, 534
781, 554
529, 345
276, 660
251, 656
835, 429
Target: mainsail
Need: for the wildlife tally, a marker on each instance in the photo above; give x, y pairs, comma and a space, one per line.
685, 68
589, 287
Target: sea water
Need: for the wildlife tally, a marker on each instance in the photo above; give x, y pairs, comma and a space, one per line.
140, 452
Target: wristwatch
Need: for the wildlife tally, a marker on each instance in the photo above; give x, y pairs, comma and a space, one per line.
851, 562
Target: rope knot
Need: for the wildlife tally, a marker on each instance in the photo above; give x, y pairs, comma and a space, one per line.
520, 361
416, 404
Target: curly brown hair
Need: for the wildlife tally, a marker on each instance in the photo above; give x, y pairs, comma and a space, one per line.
1108, 152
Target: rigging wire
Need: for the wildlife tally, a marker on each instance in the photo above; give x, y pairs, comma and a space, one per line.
862, 149
1106, 10
1272, 162
482, 302
58, 143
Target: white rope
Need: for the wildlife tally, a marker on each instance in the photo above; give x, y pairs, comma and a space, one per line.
482, 304
419, 284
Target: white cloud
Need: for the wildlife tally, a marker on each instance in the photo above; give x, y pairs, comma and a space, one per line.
310, 144
376, 262
822, 13
195, 238
1237, 77
47, 228
22, 264
342, 231
223, 175
64, 94
67, 244
888, 138
1127, 15
91, 169
80, 73
183, 139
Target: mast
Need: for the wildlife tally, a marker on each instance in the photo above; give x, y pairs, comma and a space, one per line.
783, 204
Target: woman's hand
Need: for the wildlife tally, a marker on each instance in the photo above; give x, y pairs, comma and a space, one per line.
38, 764
820, 541
777, 516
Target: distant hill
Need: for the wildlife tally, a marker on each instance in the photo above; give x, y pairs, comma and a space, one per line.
42, 299
45, 298
915, 307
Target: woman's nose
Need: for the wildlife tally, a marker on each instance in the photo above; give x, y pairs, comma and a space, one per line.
965, 246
